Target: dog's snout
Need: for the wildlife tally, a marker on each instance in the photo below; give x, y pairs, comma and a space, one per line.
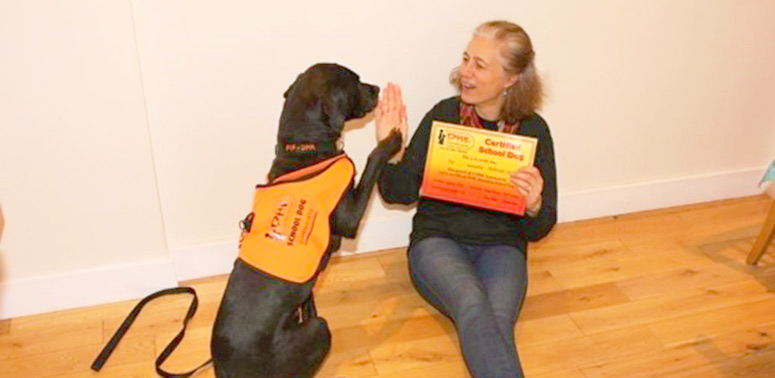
370, 90
369, 99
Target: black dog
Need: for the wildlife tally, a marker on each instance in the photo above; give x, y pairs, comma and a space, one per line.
267, 325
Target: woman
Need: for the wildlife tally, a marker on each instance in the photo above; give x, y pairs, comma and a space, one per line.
468, 262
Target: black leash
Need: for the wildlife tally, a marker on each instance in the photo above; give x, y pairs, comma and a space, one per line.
111, 345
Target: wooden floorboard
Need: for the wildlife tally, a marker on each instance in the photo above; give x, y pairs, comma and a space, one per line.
663, 293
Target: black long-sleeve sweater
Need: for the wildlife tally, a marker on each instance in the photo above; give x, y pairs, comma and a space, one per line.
400, 183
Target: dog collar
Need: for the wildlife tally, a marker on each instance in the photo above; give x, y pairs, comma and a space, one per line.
301, 148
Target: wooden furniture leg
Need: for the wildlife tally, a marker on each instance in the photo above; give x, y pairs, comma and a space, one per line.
764, 239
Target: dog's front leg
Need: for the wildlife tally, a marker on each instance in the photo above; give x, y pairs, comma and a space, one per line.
350, 210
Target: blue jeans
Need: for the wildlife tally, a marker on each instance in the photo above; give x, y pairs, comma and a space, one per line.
479, 287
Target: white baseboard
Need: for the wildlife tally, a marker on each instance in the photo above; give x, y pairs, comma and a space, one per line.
84, 288
658, 194
77, 289
379, 234
216, 259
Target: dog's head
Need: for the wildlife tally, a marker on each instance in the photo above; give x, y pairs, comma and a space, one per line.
321, 99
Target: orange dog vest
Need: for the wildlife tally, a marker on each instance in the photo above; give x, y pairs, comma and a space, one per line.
288, 230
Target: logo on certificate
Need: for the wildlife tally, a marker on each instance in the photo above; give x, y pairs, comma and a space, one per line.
456, 140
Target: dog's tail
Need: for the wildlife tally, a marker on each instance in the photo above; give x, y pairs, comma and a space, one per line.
111, 345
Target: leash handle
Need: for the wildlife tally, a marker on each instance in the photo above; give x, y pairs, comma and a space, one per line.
121, 331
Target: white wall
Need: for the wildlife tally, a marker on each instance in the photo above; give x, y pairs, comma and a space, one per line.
77, 178
132, 132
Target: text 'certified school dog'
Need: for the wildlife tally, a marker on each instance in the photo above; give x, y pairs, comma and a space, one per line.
267, 324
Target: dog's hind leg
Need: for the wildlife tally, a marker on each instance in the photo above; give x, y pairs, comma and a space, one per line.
304, 348
308, 309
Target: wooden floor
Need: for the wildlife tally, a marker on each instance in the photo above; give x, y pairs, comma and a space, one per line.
656, 294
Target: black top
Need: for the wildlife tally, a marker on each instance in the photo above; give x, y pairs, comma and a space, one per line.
400, 183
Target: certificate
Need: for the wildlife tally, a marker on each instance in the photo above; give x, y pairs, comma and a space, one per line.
472, 166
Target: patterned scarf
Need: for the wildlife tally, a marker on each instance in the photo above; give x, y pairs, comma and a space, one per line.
468, 117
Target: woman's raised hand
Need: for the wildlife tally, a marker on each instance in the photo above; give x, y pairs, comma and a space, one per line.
391, 112
391, 115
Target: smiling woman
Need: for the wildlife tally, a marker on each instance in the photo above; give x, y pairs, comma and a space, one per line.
498, 73
469, 262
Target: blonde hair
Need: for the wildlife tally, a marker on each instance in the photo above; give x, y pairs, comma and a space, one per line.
517, 57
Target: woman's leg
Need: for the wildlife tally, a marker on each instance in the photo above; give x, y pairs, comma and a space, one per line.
503, 272
444, 273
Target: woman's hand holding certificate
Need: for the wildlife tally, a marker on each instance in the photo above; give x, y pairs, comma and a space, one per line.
530, 183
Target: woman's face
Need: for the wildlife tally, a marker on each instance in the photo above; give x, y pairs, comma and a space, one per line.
482, 77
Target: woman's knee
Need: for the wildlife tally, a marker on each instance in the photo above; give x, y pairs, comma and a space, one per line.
472, 300
443, 274
438, 262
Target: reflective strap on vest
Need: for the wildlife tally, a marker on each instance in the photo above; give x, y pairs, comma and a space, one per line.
290, 230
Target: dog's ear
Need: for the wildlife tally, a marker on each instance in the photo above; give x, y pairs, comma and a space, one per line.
344, 98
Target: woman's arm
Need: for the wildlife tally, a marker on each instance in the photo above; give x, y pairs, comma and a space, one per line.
537, 225
400, 182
